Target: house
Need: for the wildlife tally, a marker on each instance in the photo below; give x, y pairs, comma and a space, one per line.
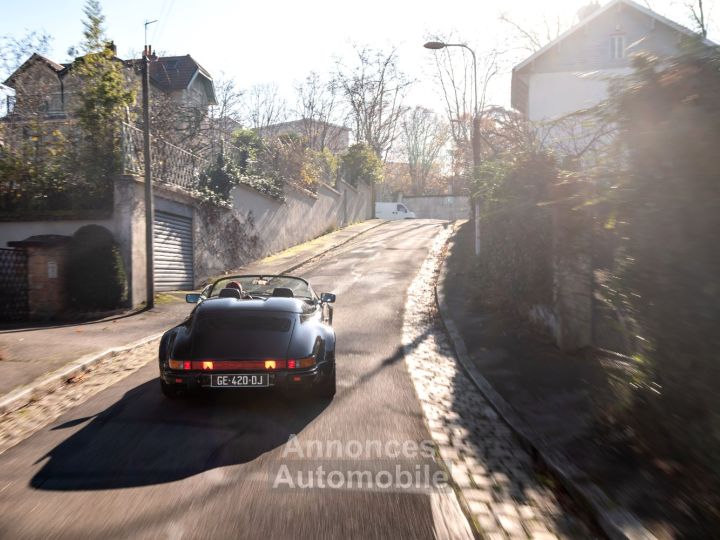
318, 134
183, 79
46, 88
573, 72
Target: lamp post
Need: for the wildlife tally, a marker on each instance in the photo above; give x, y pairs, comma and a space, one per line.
475, 135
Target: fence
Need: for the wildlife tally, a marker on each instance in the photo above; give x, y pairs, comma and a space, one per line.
13, 285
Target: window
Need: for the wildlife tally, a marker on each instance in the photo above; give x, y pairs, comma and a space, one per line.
10, 104
617, 47
55, 103
401, 208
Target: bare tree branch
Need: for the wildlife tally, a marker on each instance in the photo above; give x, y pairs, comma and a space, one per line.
374, 88
424, 136
262, 106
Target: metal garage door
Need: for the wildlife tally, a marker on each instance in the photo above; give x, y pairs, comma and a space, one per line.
173, 251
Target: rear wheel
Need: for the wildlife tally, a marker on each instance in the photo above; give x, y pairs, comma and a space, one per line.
170, 391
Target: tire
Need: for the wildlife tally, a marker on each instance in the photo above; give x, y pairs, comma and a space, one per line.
169, 391
327, 389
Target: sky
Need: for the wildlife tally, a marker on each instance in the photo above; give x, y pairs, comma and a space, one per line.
281, 41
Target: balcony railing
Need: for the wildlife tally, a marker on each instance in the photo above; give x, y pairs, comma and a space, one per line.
171, 164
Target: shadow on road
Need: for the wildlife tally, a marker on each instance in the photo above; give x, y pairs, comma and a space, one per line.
144, 439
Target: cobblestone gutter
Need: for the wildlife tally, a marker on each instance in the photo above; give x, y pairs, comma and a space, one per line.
493, 473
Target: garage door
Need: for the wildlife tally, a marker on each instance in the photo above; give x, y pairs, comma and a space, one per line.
173, 251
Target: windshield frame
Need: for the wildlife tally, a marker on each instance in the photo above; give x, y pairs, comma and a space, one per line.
208, 292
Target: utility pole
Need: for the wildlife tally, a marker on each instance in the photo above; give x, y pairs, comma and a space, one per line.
149, 206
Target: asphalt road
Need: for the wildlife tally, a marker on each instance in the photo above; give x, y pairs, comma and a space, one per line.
128, 463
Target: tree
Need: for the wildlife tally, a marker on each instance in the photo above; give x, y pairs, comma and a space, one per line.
13, 52
317, 106
262, 106
454, 72
104, 97
424, 136
360, 164
374, 88
532, 39
699, 17
229, 98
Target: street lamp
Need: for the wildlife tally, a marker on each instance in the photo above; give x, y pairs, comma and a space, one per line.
475, 136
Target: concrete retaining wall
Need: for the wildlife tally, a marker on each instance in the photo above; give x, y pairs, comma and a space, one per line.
450, 207
224, 238
302, 216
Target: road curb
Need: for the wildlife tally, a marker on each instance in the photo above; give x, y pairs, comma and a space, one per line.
39, 388
614, 522
19, 398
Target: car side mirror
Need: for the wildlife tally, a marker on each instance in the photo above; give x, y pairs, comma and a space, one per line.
327, 298
193, 298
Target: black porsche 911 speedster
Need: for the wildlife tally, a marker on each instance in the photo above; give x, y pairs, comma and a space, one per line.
252, 332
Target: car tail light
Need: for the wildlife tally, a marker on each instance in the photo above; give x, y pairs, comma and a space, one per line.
207, 364
178, 364
301, 363
270, 364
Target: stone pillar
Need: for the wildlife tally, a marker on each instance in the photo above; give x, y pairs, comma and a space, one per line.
47, 263
572, 266
129, 226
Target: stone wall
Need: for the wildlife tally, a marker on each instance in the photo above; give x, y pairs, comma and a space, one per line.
47, 295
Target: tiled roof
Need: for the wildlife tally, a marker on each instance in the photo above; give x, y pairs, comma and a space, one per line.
34, 58
174, 72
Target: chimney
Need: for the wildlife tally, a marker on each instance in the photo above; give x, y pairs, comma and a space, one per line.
148, 52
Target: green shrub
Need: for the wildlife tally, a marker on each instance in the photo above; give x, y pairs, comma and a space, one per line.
516, 231
96, 275
360, 164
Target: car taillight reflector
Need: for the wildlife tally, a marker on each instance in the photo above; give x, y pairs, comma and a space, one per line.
306, 362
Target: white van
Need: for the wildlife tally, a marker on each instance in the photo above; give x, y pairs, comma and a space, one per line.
392, 210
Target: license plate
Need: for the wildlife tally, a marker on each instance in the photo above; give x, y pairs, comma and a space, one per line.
240, 380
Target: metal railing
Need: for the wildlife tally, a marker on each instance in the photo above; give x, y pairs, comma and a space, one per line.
171, 165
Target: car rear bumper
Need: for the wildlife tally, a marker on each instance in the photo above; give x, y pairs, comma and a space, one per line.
284, 380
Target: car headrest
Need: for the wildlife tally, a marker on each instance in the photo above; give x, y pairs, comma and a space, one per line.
282, 292
229, 293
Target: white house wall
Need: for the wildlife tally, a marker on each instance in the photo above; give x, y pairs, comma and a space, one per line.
553, 95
